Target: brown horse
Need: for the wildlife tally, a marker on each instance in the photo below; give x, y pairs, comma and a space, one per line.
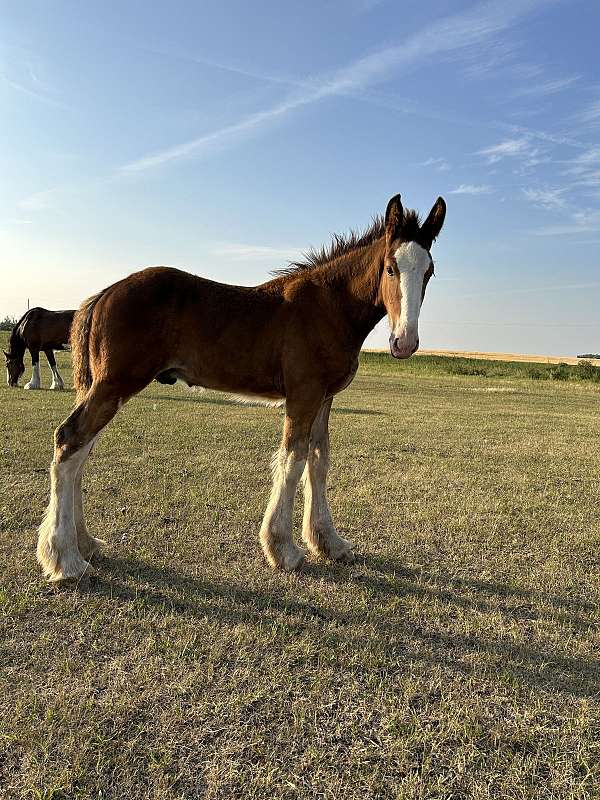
295, 338
37, 330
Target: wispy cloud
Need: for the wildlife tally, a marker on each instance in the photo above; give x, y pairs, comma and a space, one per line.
31, 92
247, 73
506, 149
546, 198
583, 221
449, 35
546, 87
584, 169
18, 73
489, 59
439, 163
246, 252
591, 114
39, 201
469, 188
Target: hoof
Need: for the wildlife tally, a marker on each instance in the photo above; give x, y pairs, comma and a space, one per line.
56, 388
90, 546
29, 386
287, 559
71, 571
347, 557
293, 559
343, 551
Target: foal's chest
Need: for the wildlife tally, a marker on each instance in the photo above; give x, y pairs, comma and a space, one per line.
345, 379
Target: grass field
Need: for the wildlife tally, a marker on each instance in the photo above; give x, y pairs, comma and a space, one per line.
457, 658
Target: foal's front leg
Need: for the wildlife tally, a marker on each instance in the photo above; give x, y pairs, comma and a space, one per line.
288, 465
318, 530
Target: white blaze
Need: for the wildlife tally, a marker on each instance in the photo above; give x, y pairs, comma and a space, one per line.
413, 262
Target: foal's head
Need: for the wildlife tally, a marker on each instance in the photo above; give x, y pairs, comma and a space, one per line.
407, 268
14, 368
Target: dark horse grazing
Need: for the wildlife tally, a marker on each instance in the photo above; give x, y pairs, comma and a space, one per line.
296, 338
38, 329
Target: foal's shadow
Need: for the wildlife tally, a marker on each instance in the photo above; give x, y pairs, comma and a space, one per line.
386, 575
162, 587
540, 665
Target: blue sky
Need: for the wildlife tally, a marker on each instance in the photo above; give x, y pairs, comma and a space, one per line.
225, 137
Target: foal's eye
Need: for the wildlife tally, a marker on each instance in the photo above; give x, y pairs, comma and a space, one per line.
390, 270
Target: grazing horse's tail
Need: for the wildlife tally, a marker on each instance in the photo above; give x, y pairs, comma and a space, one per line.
80, 345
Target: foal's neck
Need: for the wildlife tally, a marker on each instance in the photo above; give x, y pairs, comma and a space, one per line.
357, 276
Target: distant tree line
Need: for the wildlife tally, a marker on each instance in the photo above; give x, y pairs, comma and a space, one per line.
589, 355
8, 323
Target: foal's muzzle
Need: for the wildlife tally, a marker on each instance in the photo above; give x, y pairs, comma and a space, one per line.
403, 348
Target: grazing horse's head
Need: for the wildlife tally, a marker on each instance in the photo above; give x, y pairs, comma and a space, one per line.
14, 368
407, 268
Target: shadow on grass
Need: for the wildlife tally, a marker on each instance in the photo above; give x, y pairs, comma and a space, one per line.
44, 389
162, 587
200, 397
433, 641
362, 411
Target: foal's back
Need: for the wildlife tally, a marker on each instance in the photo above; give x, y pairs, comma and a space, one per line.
204, 332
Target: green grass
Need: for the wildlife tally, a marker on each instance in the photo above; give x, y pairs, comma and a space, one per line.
457, 658
477, 367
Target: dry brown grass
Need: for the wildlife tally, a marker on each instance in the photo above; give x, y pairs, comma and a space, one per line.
519, 357
458, 658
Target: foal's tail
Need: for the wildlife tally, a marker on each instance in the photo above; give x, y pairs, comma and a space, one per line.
80, 345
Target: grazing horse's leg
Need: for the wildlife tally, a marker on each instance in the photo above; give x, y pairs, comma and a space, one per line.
35, 382
57, 381
318, 530
57, 549
288, 465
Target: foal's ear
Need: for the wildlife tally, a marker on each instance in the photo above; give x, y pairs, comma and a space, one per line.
394, 214
433, 224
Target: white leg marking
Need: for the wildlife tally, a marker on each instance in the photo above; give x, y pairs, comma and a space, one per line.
87, 544
318, 530
276, 529
57, 550
35, 382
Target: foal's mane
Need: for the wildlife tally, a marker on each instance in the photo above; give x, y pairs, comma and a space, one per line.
342, 244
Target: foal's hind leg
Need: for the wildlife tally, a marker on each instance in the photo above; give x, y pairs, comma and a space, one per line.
318, 530
57, 381
87, 544
288, 464
57, 549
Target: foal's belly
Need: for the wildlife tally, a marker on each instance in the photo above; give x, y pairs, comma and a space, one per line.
242, 386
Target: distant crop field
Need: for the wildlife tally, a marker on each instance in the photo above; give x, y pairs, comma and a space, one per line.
458, 657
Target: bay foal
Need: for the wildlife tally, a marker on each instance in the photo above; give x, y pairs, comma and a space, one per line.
296, 338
